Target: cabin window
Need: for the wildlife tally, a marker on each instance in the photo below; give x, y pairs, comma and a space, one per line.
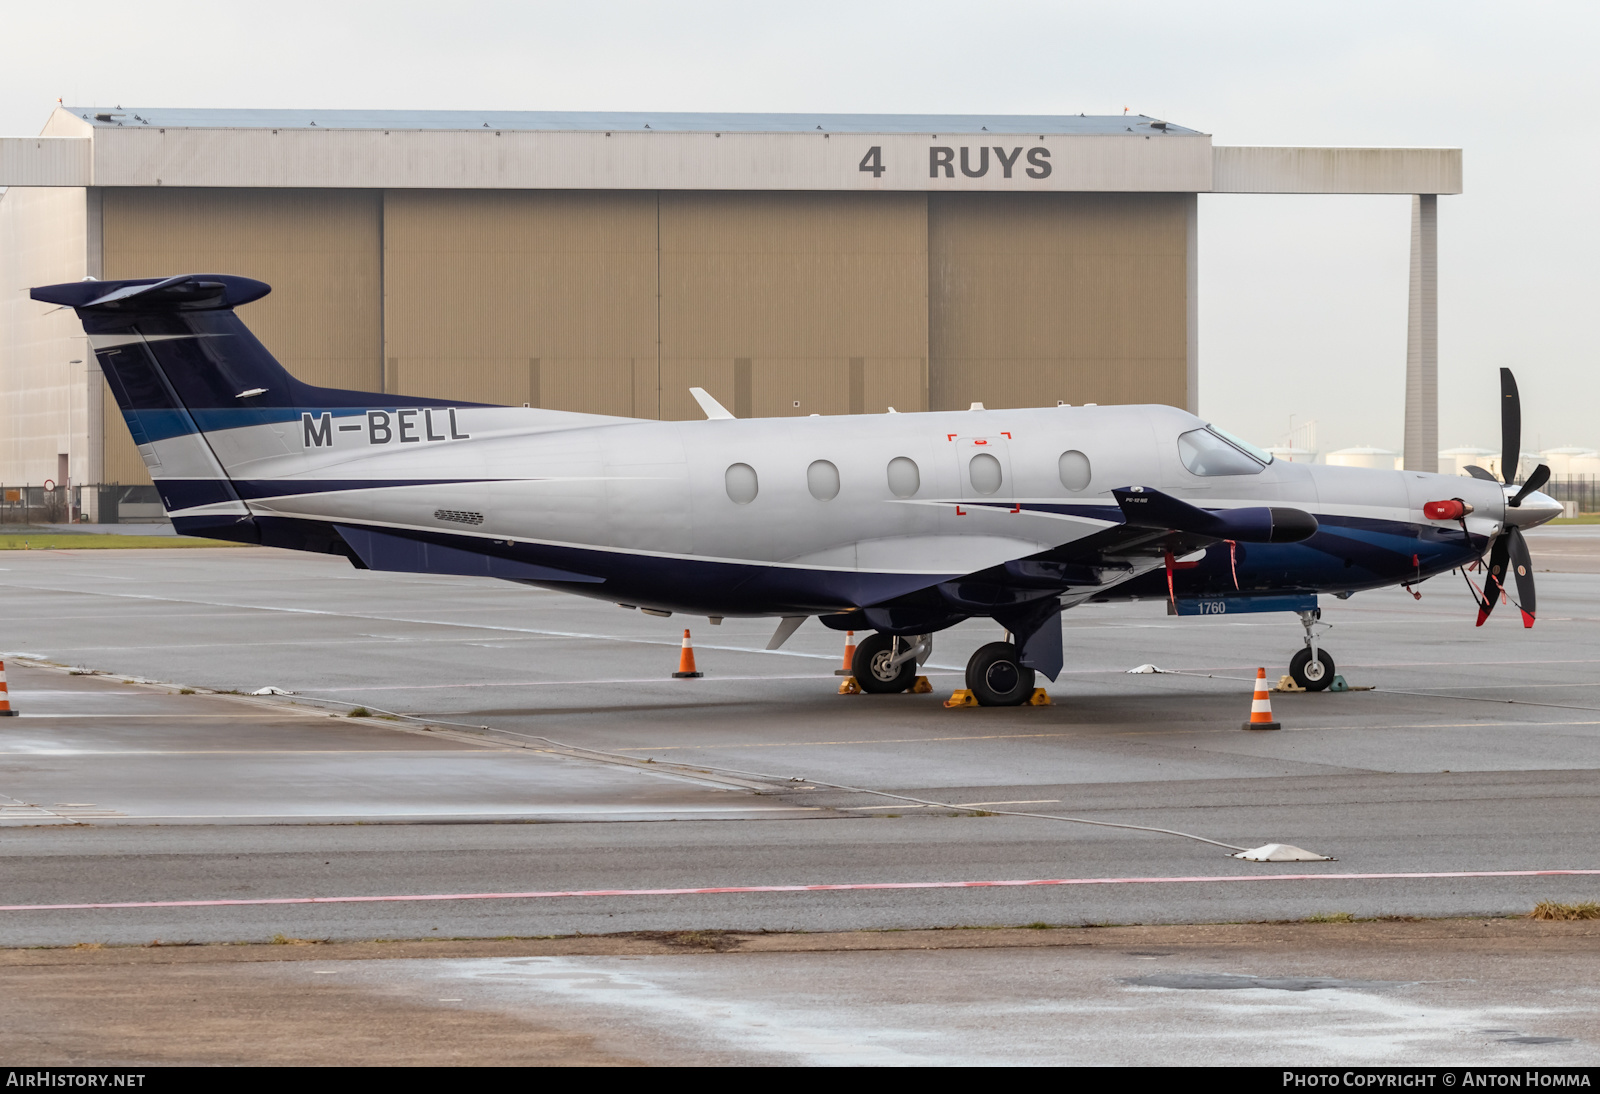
1073, 467
984, 472
822, 479
904, 478
742, 483
1206, 453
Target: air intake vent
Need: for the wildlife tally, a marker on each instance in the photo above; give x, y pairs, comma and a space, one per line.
458, 516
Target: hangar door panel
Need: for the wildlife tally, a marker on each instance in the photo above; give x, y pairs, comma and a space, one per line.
539, 297
318, 249
1035, 299
769, 300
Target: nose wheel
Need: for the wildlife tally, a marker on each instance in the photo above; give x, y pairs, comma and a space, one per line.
1312, 668
1311, 671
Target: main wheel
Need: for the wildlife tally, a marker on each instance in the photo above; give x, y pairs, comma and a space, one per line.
874, 672
996, 678
1309, 674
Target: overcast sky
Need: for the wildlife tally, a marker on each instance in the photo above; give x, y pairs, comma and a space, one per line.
1303, 299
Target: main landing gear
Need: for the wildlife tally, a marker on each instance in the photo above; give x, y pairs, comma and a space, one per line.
997, 678
1312, 668
885, 664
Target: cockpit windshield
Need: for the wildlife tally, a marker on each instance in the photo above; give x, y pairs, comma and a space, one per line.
1210, 451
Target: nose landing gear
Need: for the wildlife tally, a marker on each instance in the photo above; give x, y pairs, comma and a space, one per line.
1312, 668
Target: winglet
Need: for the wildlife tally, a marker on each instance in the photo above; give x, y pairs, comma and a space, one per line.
712, 408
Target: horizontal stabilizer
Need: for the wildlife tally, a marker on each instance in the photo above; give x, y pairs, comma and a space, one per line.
1146, 508
186, 292
383, 551
174, 344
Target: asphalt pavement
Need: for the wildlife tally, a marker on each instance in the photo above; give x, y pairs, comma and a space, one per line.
1460, 993
1475, 753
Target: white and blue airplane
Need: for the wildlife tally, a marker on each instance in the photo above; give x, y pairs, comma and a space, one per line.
899, 524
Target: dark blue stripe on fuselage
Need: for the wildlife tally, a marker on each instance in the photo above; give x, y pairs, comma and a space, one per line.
256, 489
678, 584
181, 490
189, 493
1346, 554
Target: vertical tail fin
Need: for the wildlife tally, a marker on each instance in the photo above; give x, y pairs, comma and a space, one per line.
190, 380
131, 326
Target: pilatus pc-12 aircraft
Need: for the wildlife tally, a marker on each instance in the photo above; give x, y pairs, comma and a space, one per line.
900, 524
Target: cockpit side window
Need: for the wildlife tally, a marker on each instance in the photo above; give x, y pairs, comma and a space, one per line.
1261, 454
1206, 453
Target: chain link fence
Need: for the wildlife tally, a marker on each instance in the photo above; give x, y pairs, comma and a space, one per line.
1580, 490
94, 504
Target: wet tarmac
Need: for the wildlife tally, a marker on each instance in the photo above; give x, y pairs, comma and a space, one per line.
1448, 790
1453, 993
102, 749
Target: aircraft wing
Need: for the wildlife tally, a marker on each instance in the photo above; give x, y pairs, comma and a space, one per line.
1100, 559
1021, 592
1155, 526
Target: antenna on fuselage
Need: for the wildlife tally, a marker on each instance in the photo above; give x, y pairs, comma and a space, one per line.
712, 408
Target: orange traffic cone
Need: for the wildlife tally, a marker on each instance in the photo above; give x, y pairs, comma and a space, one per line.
849, 668
1261, 707
686, 669
5, 696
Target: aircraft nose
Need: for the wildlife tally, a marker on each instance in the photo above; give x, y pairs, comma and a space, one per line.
1536, 509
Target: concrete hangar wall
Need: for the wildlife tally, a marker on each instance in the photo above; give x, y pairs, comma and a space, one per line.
606, 263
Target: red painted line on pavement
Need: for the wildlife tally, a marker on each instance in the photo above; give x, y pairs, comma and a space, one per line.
790, 889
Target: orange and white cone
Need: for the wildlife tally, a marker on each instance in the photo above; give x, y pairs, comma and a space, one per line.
849, 668
686, 669
5, 696
1261, 705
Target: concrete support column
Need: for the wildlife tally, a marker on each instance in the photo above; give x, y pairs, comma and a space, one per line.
1192, 314
92, 464
1422, 338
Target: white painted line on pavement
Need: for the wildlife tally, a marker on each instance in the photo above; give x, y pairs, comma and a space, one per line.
1221, 878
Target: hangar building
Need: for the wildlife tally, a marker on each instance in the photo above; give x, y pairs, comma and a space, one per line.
790, 264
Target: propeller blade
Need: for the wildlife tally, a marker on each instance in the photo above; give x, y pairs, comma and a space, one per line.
1540, 476
1510, 426
1494, 581
1522, 569
1479, 473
